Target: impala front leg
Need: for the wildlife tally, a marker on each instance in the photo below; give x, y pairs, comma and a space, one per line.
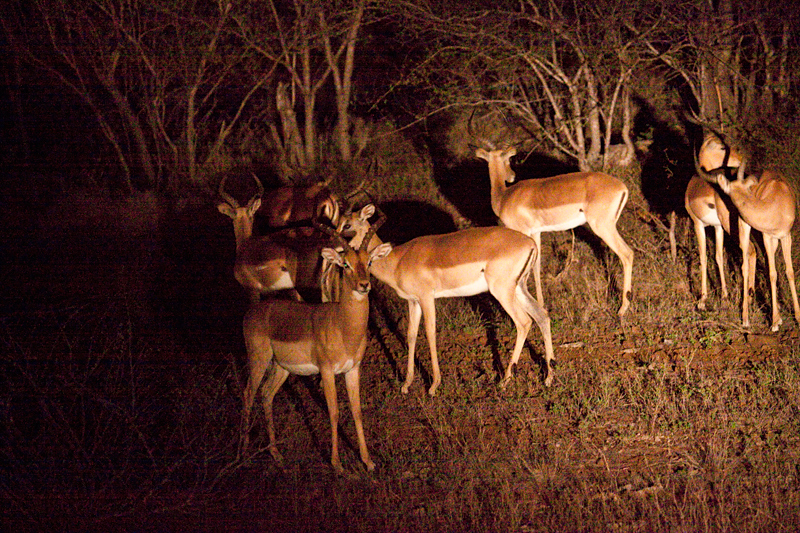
414, 317
429, 312
329, 388
744, 244
352, 379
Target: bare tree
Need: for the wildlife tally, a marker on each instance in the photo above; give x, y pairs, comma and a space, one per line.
732, 56
560, 70
314, 43
167, 82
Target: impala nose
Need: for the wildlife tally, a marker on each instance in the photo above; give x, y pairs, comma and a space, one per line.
363, 287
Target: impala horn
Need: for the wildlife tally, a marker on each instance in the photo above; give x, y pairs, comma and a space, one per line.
225, 196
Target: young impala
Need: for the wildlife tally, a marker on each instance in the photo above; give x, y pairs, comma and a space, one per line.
707, 208
767, 204
560, 203
286, 337
463, 263
286, 259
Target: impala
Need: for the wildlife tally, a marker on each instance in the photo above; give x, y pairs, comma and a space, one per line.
297, 204
287, 259
767, 204
560, 203
463, 263
707, 208
286, 337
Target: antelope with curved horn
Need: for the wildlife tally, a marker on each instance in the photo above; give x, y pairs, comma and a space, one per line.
560, 203
243, 217
707, 208
464, 263
285, 337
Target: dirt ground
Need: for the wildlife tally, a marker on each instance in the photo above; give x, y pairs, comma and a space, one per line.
669, 419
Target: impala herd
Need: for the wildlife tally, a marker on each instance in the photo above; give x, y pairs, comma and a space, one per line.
316, 246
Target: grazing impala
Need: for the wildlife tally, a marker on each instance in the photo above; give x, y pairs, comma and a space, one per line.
287, 259
463, 263
286, 337
767, 204
298, 204
560, 203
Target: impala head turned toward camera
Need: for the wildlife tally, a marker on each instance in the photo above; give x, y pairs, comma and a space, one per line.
286, 337
467, 262
560, 203
243, 216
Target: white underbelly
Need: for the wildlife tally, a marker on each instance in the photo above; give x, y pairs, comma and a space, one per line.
711, 219
477, 286
310, 369
301, 369
343, 366
574, 222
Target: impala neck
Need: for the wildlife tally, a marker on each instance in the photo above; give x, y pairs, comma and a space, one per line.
243, 230
352, 317
498, 178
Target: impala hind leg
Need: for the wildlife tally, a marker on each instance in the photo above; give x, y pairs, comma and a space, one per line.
522, 323
607, 231
786, 248
539, 315
275, 379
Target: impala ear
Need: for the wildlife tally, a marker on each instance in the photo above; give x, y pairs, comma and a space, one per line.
333, 256
366, 212
482, 154
226, 210
380, 251
253, 206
